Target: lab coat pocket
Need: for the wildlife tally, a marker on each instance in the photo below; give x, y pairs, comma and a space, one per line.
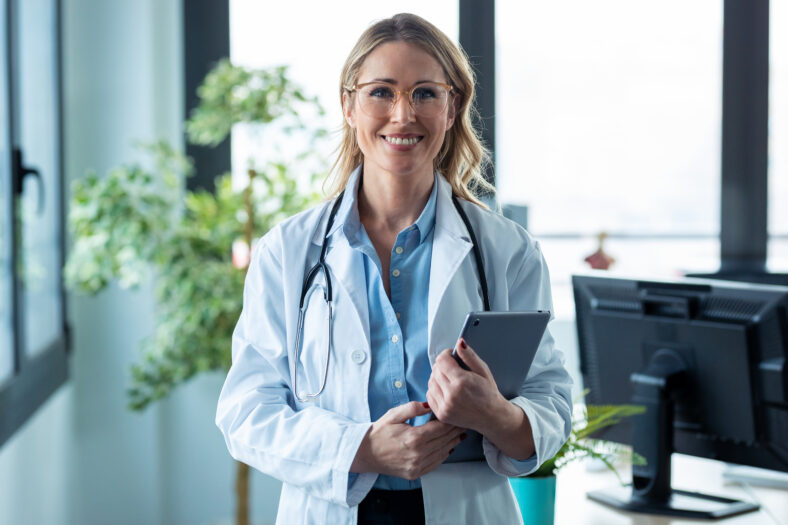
314, 341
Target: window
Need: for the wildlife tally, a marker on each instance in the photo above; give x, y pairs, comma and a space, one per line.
777, 250
609, 119
32, 317
315, 47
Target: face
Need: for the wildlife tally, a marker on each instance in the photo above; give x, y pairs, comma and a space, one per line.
401, 143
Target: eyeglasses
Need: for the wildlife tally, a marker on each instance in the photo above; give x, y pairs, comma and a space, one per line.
377, 99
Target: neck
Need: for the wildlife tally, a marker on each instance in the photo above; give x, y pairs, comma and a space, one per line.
392, 202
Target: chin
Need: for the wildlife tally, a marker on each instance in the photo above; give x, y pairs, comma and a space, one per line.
406, 167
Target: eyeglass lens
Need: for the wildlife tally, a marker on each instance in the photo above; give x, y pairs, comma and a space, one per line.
427, 99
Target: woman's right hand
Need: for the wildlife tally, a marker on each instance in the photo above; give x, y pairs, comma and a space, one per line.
395, 448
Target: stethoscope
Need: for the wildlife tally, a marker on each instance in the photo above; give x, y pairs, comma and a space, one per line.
327, 294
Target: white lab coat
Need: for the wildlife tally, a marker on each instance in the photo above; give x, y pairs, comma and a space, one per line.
310, 446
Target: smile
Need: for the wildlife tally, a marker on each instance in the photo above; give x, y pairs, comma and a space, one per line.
404, 141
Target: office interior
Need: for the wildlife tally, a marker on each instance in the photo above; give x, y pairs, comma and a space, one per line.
656, 131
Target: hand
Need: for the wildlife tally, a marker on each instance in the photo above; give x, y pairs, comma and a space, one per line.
464, 398
395, 448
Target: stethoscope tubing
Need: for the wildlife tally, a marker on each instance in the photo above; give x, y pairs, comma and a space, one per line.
322, 266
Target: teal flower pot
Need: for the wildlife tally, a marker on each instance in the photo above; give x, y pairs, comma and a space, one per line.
536, 497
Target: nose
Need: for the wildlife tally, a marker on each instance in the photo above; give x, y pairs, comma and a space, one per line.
402, 110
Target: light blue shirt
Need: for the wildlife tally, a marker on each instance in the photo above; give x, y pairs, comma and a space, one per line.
311, 451
400, 367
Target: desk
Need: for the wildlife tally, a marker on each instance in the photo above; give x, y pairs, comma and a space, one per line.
689, 473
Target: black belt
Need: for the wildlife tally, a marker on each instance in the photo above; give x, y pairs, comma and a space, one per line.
392, 507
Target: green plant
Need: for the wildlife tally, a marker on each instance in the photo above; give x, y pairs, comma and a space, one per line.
588, 420
139, 221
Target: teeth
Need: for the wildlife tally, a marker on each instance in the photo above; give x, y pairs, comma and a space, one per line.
398, 140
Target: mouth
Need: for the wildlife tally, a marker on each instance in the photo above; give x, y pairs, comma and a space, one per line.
403, 140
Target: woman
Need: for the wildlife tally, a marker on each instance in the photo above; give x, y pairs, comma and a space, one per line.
338, 404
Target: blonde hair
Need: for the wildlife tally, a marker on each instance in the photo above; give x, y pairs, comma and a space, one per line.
462, 155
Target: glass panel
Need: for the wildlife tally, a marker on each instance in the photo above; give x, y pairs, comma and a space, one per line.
609, 119
778, 137
609, 114
36, 135
261, 36
634, 257
6, 236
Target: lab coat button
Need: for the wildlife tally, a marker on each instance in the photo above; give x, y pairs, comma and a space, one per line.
358, 356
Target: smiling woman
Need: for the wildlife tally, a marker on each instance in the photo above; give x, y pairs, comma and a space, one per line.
396, 137
404, 251
440, 87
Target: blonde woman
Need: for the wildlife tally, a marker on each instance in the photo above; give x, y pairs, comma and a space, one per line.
342, 383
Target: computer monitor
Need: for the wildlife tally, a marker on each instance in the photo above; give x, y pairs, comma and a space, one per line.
707, 359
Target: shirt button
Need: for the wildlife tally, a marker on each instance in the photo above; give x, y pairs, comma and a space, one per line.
399, 315
395, 273
395, 338
358, 356
398, 383
398, 249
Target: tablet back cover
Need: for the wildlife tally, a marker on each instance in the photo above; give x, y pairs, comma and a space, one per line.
507, 342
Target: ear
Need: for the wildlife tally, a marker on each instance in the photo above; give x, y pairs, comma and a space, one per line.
454, 104
347, 109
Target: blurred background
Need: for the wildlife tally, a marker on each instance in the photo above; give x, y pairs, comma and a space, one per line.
603, 117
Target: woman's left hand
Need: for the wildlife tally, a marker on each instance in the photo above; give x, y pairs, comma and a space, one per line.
464, 398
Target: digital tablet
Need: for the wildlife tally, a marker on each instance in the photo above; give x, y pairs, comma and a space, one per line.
507, 342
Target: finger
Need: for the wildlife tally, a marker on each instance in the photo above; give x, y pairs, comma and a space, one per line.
435, 458
444, 378
404, 412
444, 357
448, 364
435, 429
451, 436
434, 461
434, 391
451, 369
471, 358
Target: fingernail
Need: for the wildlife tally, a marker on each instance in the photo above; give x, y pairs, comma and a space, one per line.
452, 450
462, 343
463, 436
426, 405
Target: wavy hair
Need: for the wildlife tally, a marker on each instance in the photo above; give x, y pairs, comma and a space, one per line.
462, 155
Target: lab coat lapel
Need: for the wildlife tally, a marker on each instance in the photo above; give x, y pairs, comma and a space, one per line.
450, 247
347, 268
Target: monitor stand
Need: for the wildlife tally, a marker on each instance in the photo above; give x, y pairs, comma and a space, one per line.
650, 491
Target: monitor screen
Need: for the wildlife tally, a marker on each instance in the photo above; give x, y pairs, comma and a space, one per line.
714, 350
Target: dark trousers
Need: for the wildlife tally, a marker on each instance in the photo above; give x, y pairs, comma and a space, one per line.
392, 507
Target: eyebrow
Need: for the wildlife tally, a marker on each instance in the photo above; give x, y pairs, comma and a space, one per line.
392, 81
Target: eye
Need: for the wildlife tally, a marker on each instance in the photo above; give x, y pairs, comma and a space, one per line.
384, 92
424, 93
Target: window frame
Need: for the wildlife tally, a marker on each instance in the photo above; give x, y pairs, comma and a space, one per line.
201, 50
34, 379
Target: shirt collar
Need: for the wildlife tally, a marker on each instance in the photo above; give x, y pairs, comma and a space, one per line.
348, 219
426, 221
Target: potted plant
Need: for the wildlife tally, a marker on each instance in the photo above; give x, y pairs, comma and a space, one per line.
139, 222
535, 493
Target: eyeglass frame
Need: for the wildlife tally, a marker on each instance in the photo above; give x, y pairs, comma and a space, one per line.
398, 92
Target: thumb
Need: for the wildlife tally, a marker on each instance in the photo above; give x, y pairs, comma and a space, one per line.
404, 412
472, 359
